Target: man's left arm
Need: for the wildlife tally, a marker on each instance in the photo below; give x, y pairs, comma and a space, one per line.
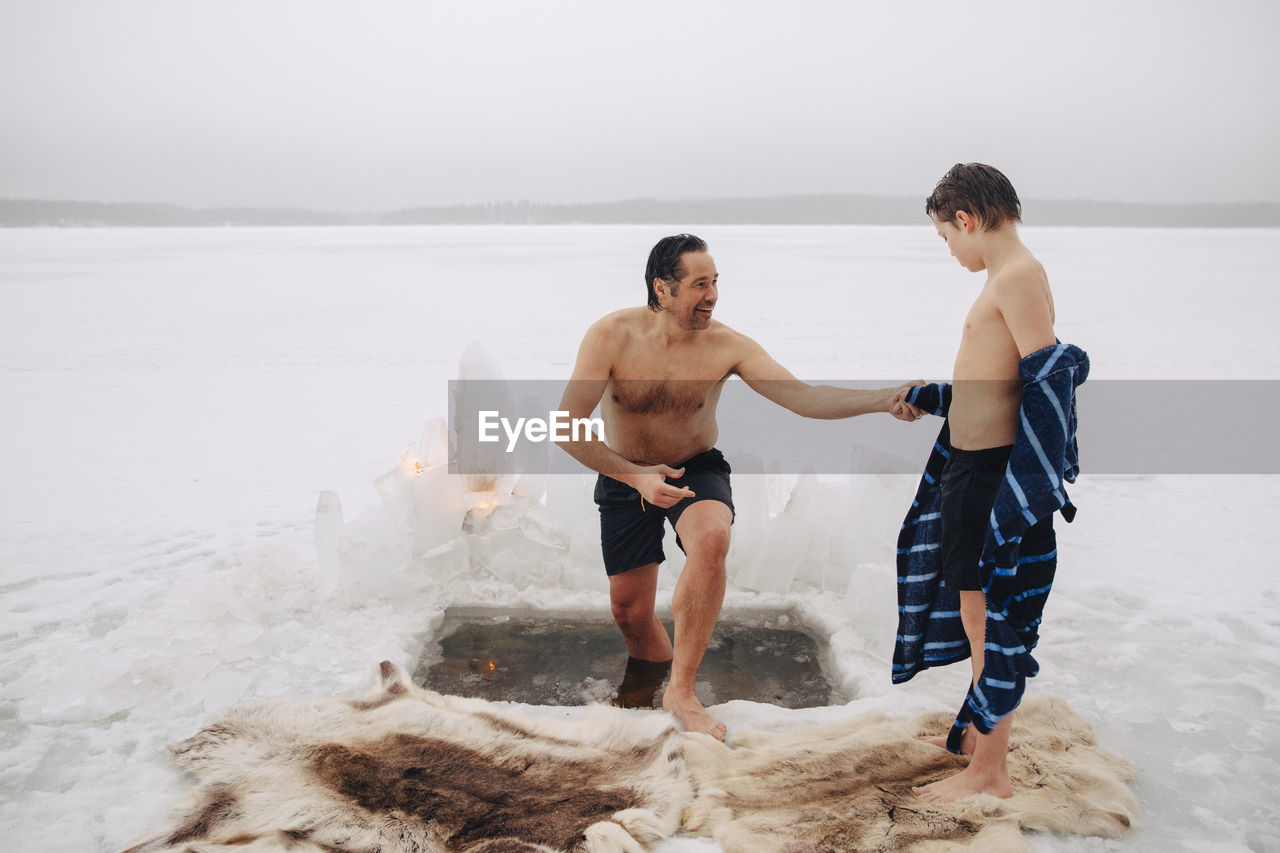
774, 382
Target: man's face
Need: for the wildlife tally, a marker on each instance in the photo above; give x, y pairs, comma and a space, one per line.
959, 236
691, 300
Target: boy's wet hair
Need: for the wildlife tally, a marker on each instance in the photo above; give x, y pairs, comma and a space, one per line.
664, 262
980, 190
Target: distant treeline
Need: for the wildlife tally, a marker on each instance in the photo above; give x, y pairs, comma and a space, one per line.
87, 214
779, 210
843, 209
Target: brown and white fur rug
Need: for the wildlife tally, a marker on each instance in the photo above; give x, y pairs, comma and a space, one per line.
847, 786
407, 770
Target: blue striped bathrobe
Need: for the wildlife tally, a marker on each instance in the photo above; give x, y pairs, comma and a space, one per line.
1016, 582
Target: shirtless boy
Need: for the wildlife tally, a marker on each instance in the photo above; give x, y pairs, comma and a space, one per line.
657, 373
975, 210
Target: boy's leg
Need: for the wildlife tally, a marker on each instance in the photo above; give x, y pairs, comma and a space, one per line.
987, 773
973, 615
988, 770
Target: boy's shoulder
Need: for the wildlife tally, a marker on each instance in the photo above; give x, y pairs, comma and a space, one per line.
1021, 278
1021, 272
1020, 292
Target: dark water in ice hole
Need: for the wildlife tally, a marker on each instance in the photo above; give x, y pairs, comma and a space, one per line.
544, 660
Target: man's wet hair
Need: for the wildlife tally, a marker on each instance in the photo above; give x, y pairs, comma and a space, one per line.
982, 191
664, 262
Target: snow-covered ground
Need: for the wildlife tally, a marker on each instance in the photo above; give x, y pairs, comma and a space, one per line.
175, 402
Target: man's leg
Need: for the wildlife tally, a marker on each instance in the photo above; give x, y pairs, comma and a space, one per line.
704, 531
988, 770
631, 595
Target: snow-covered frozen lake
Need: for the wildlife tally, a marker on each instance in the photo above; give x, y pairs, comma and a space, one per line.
176, 401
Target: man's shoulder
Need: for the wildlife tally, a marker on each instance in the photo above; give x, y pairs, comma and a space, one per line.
726, 333
724, 339
620, 321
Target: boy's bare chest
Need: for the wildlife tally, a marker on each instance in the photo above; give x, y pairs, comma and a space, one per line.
987, 348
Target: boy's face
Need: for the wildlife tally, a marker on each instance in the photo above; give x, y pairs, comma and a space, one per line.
961, 236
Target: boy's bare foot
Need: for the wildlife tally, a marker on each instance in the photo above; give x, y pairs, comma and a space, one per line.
689, 710
968, 741
966, 783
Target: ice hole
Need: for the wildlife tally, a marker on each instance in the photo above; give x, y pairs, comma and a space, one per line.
561, 658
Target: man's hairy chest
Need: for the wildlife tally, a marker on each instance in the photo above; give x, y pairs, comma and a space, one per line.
667, 396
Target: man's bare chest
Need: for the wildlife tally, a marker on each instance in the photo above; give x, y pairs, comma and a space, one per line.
667, 386
669, 396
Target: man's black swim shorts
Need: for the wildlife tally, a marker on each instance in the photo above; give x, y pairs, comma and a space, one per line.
631, 528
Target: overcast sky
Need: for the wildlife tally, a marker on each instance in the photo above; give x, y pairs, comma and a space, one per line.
372, 106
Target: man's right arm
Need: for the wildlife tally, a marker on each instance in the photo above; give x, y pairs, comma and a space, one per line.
586, 388
774, 382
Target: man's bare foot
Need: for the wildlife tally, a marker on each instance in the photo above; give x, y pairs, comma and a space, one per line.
689, 711
968, 741
966, 783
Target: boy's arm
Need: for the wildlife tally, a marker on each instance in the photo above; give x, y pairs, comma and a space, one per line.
586, 387
1023, 301
775, 383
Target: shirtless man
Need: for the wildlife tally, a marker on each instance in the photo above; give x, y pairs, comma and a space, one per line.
657, 373
975, 210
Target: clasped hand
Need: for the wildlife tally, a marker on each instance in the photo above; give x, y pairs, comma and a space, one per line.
900, 408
